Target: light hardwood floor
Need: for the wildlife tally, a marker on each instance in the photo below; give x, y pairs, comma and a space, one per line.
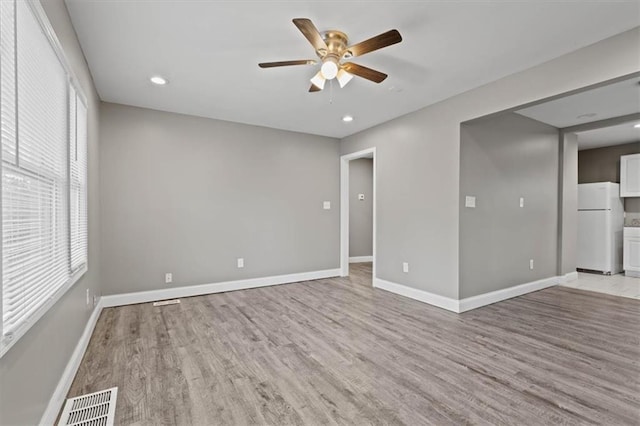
337, 351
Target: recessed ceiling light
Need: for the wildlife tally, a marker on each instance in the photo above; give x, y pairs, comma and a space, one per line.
158, 80
347, 118
637, 126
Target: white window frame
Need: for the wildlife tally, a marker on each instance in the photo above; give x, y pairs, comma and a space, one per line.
7, 343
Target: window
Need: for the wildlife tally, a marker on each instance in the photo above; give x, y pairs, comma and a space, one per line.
78, 181
44, 170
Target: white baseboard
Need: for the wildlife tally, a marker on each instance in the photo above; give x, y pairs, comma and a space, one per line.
485, 299
197, 290
469, 303
421, 295
360, 259
567, 278
64, 384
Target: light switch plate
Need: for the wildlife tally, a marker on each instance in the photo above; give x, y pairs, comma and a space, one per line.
326, 205
405, 267
521, 202
470, 201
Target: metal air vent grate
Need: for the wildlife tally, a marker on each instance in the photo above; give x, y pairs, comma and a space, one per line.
94, 409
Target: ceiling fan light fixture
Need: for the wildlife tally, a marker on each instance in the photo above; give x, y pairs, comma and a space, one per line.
343, 78
329, 68
318, 80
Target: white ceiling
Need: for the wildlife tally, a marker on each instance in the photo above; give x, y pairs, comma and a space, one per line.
609, 136
609, 101
613, 100
209, 51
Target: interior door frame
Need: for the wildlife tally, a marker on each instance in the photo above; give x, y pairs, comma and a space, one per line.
344, 208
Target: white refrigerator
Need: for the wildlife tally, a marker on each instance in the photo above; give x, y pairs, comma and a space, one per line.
600, 225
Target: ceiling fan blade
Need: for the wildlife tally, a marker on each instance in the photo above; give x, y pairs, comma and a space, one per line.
375, 43
286, 63
310, 31
314, 88
364, 72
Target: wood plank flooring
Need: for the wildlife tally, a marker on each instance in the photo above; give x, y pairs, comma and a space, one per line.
337, 351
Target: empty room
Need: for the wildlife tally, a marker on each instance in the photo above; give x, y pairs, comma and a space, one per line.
305, 212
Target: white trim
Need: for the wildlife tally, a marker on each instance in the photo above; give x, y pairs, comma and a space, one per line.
64, 384
344, 208
360, 259
567, 278
485, 299
197, 290
6, 344
420, 295
468, 303
47, 28
41, 16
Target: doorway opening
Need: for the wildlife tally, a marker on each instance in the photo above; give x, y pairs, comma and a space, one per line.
599, 207
358, 210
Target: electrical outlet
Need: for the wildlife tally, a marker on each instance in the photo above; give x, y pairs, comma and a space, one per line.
361, 197
88, 297
326, 205
530, 263
470, 201
405, 267
168, 277
95, 300
240, 262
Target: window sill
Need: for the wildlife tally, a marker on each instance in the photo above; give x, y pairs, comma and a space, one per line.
6, 342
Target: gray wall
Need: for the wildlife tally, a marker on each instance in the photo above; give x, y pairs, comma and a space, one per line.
361, 211
30, 371
502, 159
417, 160
603, 165
189, 195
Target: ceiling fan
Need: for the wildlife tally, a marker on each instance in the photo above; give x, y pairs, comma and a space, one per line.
332, 47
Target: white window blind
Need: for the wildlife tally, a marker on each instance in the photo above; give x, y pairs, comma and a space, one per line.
44, 171
8, 79
78, 180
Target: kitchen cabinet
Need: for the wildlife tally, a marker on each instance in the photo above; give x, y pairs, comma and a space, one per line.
631, 251
630, 175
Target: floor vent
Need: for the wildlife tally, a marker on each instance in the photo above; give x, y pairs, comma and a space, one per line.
167, 302
94, 409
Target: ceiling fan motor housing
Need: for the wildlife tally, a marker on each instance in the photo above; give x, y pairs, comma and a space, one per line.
336, 42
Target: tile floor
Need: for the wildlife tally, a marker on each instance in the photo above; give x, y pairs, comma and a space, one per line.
617, 285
